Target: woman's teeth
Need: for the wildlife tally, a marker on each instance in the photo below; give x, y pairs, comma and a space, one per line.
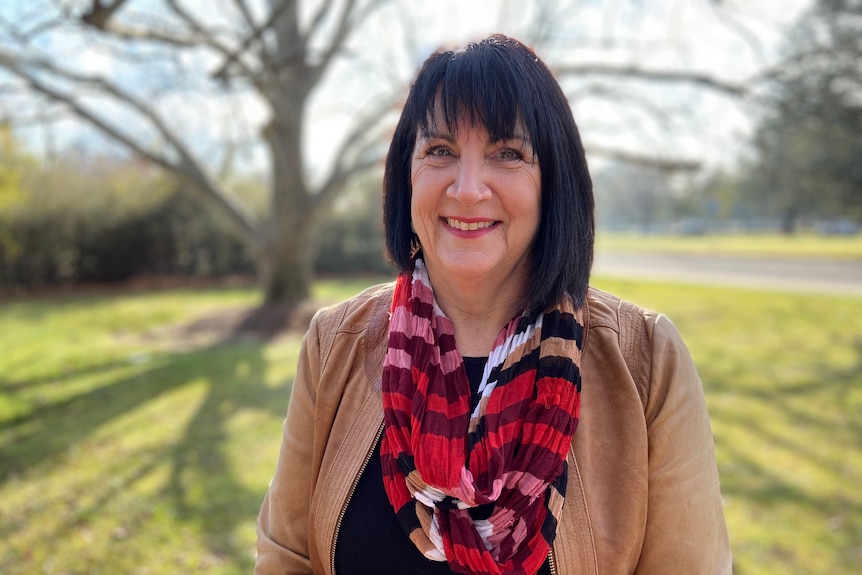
468, 227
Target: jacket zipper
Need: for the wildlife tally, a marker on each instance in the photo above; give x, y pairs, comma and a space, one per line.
350, 496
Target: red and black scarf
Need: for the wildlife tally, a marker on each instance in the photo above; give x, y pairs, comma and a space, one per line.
481, 490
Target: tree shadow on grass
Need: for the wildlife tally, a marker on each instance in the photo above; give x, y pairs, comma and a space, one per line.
203, 488
8, 386
822, 432
50, 431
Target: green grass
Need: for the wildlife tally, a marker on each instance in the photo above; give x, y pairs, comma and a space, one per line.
774, 245
783, 379
122, 451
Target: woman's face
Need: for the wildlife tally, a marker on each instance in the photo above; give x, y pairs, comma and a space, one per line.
475, 204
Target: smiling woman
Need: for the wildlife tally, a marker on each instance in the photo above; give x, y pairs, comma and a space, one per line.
475, 210
517, 109
490, 413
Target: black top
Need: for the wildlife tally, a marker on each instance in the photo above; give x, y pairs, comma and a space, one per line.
370, 540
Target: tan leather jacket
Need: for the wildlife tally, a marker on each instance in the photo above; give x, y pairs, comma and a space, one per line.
643, 494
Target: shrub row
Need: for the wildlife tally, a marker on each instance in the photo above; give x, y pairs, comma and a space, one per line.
172, 237
100, 234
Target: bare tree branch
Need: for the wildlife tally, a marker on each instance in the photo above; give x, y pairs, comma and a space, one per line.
667, 164
337, 180
196, 35
540, 29
128, 33
109, 88
186, 167
24, 36
616, 94
638, 73
740, 29
339, 36
318, 18
254, 35
350, 19
99, 13
242, 7
343, 170
210, 39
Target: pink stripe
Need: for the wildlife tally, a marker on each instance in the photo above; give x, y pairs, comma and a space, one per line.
401, 321
398, 358
450, 361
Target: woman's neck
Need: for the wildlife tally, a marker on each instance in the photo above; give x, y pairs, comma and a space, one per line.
478, 311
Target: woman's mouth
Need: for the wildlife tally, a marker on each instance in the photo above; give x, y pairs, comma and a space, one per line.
469, 226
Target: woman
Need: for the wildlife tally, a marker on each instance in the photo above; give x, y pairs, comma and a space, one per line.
490, 413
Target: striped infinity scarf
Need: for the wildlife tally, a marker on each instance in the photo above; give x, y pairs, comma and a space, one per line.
481, 490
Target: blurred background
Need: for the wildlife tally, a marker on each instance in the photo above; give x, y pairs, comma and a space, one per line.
183, 182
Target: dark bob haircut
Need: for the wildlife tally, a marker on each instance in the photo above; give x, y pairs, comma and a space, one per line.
500, 83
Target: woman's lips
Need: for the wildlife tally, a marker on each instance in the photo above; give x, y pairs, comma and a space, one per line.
468, 225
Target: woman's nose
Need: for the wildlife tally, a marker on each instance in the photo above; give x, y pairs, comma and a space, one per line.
470, 186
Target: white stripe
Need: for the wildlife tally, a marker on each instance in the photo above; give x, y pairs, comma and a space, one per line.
498, 357
436, 540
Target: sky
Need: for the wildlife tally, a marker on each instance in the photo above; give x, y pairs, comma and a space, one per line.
732, 43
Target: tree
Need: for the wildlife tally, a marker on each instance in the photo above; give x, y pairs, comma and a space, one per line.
132, 69
809, 150
267, 51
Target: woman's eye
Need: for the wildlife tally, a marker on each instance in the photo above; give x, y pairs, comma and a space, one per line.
439, 152
510, 155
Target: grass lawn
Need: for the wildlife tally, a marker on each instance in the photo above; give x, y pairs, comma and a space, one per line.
783, 381
125, 448
773, 245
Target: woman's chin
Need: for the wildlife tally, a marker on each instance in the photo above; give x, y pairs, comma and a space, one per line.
464, 268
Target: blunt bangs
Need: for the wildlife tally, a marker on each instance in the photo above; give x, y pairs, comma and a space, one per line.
501, 85
479, 86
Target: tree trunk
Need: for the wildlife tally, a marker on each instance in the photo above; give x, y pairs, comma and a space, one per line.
286, 261
288, 251
788, 221
286, 256
285, 266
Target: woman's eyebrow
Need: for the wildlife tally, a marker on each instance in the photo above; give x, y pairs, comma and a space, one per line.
433, 134
519, 137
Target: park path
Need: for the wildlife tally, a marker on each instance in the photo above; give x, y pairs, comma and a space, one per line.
840, 277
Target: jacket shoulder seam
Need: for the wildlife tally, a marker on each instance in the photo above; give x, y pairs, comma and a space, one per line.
331, 319
632, 328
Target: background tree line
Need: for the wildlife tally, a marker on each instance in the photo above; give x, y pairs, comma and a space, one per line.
803, 167
90, 217
808, 146
173, 201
